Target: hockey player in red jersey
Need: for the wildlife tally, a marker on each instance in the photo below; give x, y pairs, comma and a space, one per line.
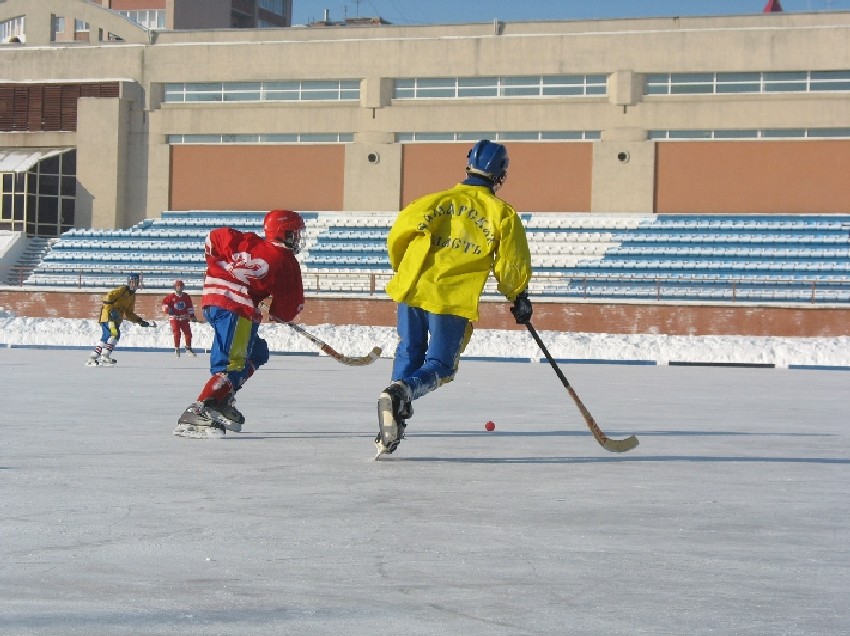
243, 270
180, 311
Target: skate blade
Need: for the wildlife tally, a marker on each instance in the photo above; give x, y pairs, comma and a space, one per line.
382, 450
236, 427
383, 454
199, 432
223, 422
386, 423
388, 429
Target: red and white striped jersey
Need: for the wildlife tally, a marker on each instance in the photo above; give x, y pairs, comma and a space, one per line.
244, 269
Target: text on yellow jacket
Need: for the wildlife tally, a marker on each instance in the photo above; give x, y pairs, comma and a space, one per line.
443, 246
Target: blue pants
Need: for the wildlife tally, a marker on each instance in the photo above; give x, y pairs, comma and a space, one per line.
429, 348
109, 330
236, 350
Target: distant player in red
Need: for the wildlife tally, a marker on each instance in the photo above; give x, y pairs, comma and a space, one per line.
180, 311
243, 269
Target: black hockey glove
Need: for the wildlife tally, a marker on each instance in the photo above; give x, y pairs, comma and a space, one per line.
114, 315
145, 324
521, 309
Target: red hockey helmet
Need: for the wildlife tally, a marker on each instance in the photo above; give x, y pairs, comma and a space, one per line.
179, 283
284, 228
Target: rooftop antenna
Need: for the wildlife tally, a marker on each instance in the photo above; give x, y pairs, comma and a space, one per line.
356, 9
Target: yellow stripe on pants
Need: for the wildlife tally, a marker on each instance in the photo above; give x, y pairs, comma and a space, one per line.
239, 344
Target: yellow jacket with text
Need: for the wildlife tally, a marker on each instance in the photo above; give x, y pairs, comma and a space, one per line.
443, 246
122, 299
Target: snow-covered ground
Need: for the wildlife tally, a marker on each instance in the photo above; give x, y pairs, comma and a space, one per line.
487, 344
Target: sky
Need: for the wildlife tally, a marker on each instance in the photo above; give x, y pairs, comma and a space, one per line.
456, 11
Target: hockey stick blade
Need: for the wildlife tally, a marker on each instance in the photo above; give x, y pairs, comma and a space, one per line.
613, 445
609, 444
354, 361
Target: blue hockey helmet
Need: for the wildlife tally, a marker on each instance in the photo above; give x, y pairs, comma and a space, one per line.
133, 280
489, 160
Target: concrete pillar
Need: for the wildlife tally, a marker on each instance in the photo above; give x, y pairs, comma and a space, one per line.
623, 172
624, 160
102, 140
372, 173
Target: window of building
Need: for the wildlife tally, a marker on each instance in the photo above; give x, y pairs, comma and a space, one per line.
13, 28
499, 87
274, 6
81, 26
547, 135
46, 107
768, 133
41, 199
263, 138
13, 201
755, 82
147, 18
319, 90
829, 81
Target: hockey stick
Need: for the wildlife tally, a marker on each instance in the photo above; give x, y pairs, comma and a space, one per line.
613, 445
373, 355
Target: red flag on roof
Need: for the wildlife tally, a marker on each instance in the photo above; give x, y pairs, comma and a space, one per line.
772, 6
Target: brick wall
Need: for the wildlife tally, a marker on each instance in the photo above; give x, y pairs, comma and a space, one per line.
584, 317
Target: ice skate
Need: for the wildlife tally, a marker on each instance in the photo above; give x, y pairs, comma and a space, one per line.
106, 361
190, 352
177, 352
197, 424
394, 407
224, 413
92, 360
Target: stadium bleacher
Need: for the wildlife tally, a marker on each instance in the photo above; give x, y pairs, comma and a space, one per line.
698, 257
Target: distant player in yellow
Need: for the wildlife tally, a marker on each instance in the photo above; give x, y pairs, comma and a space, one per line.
442, 247
118, 305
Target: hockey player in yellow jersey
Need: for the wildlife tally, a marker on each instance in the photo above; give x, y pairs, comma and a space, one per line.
118, 305
442, 248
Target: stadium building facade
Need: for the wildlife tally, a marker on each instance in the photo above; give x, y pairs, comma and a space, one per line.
709, 114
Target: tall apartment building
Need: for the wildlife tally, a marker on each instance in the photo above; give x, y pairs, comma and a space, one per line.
204, 14
163, 14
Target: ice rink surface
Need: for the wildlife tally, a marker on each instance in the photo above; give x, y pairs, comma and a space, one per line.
731, 517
